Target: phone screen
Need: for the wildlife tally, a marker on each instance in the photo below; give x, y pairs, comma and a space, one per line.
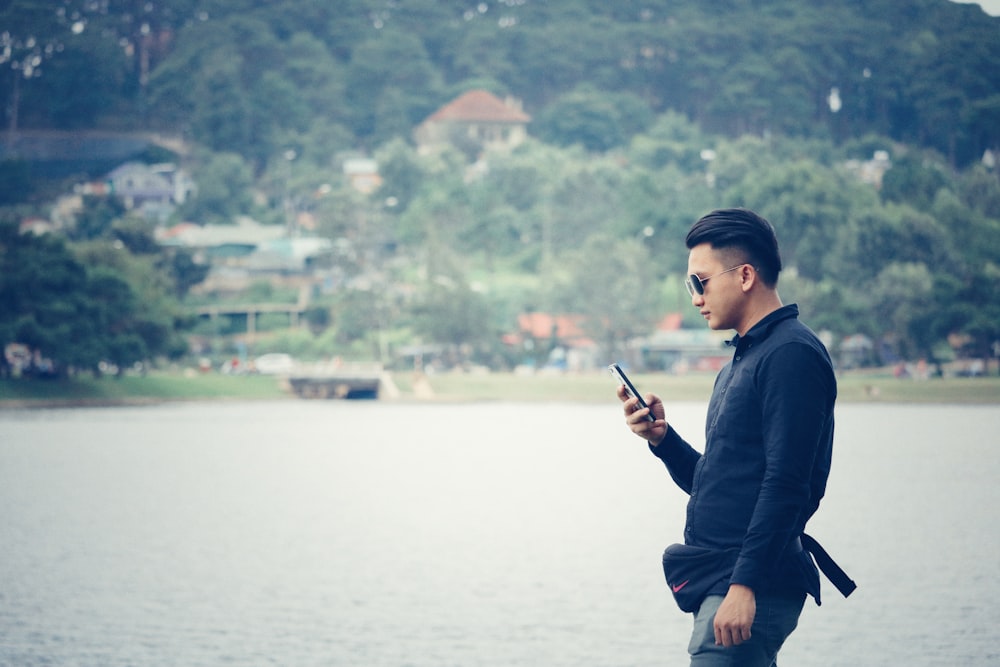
617, 371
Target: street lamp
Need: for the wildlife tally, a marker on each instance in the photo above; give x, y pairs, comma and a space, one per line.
289, 156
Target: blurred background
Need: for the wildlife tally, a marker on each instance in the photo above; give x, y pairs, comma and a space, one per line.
505, 185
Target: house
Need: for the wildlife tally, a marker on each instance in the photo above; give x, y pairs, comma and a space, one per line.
567, 329
221, 244
248, 246
673, 349
474, 120
560, 338
140, 185
871, 171
362, 174
154, 190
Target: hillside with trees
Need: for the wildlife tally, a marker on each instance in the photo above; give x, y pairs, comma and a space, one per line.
644, 115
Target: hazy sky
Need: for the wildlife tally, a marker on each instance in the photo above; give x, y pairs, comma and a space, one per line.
991, 7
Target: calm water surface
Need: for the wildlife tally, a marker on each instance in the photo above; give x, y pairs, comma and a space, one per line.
377, 534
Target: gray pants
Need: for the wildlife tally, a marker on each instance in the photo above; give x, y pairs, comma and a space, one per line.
776, 617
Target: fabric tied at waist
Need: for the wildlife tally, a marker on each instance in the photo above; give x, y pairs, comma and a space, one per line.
826, 564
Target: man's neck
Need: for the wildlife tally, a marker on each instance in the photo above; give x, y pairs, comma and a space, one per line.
759, 307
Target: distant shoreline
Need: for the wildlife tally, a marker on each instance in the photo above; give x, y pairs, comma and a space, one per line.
591, 387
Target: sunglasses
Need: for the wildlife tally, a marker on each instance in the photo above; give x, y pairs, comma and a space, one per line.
696, 285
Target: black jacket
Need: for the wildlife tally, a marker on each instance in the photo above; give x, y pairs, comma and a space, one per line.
768, 444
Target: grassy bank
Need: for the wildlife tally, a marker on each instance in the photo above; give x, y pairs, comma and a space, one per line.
588, 387
868, 388
154, 387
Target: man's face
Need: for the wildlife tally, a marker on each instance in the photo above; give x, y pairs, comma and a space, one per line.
723, 300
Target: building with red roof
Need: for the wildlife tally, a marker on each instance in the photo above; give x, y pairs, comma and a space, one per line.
476, 119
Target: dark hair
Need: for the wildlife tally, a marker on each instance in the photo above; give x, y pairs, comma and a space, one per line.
743, 230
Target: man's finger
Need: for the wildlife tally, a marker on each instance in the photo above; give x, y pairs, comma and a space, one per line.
726, 636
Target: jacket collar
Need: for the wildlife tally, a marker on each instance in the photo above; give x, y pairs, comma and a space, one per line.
762, 329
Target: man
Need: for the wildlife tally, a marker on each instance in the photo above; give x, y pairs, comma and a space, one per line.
745, 565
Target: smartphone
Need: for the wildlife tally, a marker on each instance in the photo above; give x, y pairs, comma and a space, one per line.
617, 371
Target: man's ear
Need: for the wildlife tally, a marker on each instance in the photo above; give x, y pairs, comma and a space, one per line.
748, 277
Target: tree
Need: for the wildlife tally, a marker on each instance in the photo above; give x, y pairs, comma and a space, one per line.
875, 238
243, 88
134, 308
96, 217
224, 189
611, 283
357, 314
82, 306
955, 88
658, 207
16, 183
452, 313
980, 190
184, 271
32, 34
899, 294
408, 90
41, 294
111, 311
914, 179
583, 198
807, 203
221, 117
402, 173
968, 288
980, 316
671, 139
595, 119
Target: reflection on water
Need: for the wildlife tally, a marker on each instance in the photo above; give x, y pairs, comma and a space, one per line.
336, 533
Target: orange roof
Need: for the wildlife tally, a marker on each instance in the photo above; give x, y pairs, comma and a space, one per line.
480, 105
541, 325
670, 322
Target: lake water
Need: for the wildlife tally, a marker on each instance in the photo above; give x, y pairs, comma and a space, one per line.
382, 534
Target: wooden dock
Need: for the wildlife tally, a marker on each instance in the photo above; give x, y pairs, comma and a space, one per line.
336, 380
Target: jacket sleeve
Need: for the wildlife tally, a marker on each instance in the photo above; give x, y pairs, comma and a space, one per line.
679, 457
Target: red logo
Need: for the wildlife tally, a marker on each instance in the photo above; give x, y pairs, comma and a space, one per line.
678, 587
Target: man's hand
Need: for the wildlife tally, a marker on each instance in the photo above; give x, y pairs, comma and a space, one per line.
735, 616
635, 416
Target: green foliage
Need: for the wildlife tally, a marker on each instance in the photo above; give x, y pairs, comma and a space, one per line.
645, 118
671, 140
402, 174
387, 102
97, 304
240, 76
914, 179
980, 192
593, 118
40, 293
808, 204
318, 319
96, 218
183, 270
452, 313
612, 284
152, 312
356, 315
224, 189
16, 184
